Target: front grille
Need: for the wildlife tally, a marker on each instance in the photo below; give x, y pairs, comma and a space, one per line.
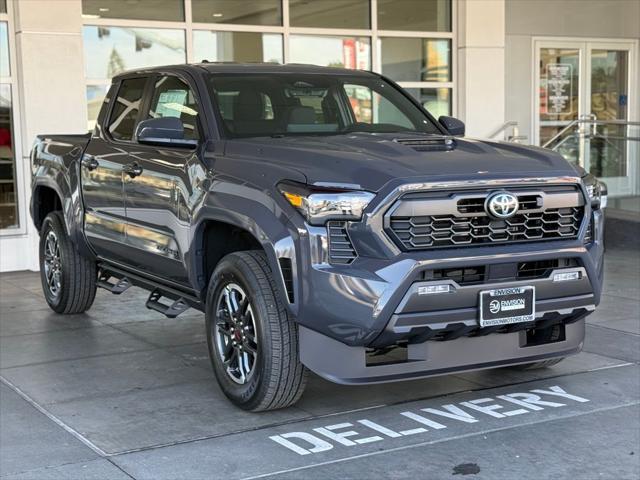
501, 272
419, 232
462, 275
542, 268
444, 219
341, 249
476, 205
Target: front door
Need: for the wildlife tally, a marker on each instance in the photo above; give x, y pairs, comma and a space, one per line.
584, 102
159, 187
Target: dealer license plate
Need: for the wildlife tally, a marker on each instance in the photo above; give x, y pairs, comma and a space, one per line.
504, 306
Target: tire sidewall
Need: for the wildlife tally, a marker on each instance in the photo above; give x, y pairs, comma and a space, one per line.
234, 270
52, 223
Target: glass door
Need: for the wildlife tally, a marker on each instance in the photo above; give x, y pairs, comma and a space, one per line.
584, 99
610, 155
559, 94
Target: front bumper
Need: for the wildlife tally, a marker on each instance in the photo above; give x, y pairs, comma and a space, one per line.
341, 363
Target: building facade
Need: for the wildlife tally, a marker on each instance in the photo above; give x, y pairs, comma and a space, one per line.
550, 66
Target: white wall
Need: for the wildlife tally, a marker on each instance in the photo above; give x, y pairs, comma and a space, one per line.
481, 67
50, 83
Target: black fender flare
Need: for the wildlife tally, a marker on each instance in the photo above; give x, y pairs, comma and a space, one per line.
258, 214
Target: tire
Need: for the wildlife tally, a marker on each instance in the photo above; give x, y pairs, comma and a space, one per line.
68, 278
539, 365
263, 370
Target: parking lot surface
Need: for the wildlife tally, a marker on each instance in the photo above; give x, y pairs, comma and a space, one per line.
122, 392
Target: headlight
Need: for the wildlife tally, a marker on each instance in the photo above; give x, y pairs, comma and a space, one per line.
319, 205
596, 190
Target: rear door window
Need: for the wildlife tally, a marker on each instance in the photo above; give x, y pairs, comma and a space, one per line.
173, 98
124, 115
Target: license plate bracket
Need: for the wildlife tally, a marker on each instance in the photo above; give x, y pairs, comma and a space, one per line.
505, 306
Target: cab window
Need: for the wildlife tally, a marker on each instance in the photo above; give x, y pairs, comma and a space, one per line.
124, 115
173, 98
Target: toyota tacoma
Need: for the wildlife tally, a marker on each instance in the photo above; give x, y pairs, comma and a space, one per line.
322, 219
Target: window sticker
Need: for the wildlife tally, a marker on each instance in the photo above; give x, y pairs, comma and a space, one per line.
172, 103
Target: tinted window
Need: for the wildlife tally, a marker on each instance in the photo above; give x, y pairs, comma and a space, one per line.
170, 10
330, 13
283, 104
418, 15
125, 111
247, 12
173, 98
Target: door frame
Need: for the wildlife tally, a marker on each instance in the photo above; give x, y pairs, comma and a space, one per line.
585, 45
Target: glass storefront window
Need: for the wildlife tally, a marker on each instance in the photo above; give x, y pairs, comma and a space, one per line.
238, 12
417, 15
437, 101
237, 47
95, 97
416, 59
330, 13
111, 50
167, 10
5, 71
8, 190
346, 52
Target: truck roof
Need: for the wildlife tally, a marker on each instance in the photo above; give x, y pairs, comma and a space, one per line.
238, 67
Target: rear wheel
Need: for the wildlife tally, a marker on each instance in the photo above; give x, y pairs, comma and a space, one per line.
253, 341
68, 278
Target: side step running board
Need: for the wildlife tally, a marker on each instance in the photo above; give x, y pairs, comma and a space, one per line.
120, 285
178, 306
165, 299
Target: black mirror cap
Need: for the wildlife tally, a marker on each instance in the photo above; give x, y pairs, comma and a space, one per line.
454, 126
168, 131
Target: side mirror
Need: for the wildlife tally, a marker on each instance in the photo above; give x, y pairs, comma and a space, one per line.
168, 131
454, 126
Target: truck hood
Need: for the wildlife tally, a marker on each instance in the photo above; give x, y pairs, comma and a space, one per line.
373, 160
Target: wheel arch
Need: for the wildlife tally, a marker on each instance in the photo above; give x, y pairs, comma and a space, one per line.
218, 235
45, 199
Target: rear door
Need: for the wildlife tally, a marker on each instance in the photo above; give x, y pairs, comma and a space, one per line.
162, 191
102, 168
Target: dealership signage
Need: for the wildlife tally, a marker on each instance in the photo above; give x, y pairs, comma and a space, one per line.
364, 431
559, 88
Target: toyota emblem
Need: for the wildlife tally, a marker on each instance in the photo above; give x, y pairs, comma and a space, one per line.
502, 205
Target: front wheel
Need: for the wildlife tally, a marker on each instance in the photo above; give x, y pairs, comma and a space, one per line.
68, 278
253, 341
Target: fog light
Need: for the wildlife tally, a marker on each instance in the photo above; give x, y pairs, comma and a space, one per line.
433, 289
566, 276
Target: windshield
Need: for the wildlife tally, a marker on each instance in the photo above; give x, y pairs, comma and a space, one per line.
286, 104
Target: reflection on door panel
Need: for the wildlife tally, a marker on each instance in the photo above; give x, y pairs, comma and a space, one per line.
102, 184
158, 221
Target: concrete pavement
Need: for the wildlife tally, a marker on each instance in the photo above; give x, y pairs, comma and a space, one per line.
122, 392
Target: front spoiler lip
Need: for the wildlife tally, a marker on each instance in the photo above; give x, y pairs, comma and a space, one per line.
343, 364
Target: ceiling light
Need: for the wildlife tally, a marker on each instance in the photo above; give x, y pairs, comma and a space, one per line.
217, 15
103, 9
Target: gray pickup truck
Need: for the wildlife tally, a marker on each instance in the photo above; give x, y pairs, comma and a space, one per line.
322, 219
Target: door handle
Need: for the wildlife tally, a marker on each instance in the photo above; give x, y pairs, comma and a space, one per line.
133, 169
90, 163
